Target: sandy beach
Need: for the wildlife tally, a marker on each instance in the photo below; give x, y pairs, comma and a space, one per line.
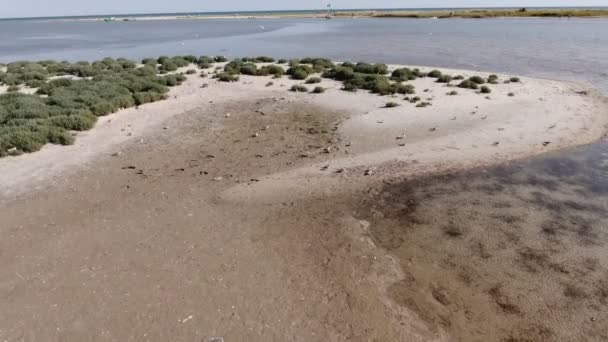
233, 209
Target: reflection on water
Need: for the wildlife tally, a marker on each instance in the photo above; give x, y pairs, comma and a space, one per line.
515, 252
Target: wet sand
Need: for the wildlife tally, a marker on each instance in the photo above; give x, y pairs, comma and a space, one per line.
516, 252
245, 212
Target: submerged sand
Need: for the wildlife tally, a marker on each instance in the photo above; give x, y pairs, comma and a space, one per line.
233, 210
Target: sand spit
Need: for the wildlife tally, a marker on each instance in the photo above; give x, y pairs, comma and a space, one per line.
229, 210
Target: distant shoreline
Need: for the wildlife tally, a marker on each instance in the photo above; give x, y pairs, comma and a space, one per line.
422, 13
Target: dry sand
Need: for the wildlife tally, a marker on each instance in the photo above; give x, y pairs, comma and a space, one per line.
228, 210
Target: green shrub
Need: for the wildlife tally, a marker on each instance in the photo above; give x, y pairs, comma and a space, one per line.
468, 84
248, 69
282, 61
444, 79
423, 104
391, 105
274, 70
149, 61
264, 59
299, 88
190, 72
148, 97
511, 94
35, 83
220, 59
405, 88
366, 68
318, 64
190, 59
300, 72
318, 90
234, 67
172, 80
269, 84
313, 80
452, 93
227, 77
435, 74
477, 79
13, 88
404, 74
458, 77
485, 90
350, 87
381, 86
339, 73
514, 79
78, 122
493, 79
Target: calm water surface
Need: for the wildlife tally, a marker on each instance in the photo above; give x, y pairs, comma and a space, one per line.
574, 49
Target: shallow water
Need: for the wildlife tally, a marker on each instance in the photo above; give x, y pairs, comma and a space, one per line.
513, 252
573, 49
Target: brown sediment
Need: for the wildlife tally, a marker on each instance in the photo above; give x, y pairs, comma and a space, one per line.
518, 261
297, 216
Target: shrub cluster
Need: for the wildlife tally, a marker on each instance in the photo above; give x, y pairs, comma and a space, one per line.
406, 74
444, 79
318, 90
313, 80
27, 122
370, 80
468, 84
318, 64
391, 105
300, 71
238, 66
227, 77
299, 88
435, 74
477, 79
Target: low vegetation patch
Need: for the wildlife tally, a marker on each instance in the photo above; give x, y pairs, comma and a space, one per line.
514, 79
318, 90
468, 84
485, 90
423, 104
65, 104
313, 80
299, 88
435, 74
477, 79
391, 105
227, 77
444, 79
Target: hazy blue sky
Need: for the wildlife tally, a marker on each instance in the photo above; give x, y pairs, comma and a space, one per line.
29, 8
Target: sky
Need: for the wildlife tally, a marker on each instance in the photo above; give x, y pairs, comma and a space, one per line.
43, 8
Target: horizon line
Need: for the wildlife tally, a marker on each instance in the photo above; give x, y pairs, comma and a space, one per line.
284, 10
